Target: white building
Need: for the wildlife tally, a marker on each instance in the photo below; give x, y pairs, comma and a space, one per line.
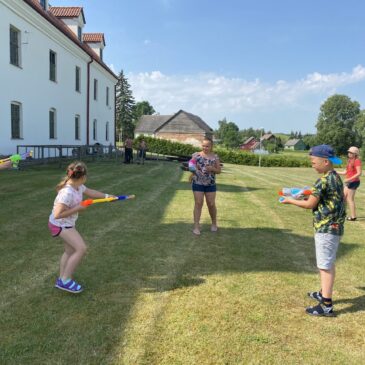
55, 88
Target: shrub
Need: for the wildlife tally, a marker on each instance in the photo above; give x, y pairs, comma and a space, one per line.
238, 157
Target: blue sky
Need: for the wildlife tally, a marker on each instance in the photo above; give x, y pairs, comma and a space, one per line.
259, 63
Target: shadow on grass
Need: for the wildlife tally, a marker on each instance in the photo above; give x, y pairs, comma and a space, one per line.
228, 188
354, 304
136, 256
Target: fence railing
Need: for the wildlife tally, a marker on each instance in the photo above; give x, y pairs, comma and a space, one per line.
43, 154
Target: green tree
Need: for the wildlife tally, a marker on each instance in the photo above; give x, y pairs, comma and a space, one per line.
228, 134
336, 122
124, 107
310, 140
359, 128
142, 108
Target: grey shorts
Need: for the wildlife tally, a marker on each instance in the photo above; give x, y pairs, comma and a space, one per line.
326, 249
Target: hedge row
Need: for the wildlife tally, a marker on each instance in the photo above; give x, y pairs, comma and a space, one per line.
169, 148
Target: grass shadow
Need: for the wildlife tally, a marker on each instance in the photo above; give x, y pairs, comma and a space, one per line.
131, 252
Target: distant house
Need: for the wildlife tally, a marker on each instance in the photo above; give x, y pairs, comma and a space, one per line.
250, 144
295, 145
180, 127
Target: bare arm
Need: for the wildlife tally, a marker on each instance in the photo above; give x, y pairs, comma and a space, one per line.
216, 168
63, 211
343, 172
5, 165
358, 173
94, 194
311, 203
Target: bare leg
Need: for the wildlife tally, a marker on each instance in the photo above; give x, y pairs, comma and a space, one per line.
351, 202
199, 200
327, 279
210, 200
76, 250
66, 255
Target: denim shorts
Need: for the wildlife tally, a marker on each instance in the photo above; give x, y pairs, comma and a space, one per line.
326, 249
204, 188
353, 185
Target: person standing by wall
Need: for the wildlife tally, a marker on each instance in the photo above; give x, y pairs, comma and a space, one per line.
128, 150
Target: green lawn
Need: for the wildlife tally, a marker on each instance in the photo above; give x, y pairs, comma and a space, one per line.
156, 294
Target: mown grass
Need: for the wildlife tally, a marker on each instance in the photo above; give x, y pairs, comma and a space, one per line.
156, 294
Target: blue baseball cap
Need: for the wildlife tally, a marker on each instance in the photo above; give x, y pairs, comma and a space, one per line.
325, 151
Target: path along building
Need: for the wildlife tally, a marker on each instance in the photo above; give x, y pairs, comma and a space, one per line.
55, 88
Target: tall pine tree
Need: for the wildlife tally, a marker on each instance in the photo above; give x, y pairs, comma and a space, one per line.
124, 105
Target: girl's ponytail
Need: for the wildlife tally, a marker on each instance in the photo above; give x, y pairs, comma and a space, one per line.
75, 171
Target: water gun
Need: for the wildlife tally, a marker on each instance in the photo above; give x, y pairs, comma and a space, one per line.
15, 159
192, 165
87, 202
295, 193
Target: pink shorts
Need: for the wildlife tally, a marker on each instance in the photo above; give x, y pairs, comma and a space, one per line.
55, 230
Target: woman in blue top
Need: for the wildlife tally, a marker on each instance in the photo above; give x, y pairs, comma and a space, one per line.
203, 183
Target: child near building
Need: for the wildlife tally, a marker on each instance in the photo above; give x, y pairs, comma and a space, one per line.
62, 223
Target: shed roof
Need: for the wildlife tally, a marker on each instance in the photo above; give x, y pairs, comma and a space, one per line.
248, 140
194, 118
150, 123
292, 142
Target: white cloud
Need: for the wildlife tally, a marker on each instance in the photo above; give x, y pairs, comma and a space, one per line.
214, 96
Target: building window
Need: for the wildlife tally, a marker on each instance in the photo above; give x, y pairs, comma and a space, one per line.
107, 131
77, 127
101, 53
52, 124
107, 96
77, 77
79, 33
14, 46
44, 4
52, 65
95, 89
16, 122
95, 127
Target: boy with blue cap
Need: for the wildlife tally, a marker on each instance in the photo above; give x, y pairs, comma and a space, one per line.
328, 206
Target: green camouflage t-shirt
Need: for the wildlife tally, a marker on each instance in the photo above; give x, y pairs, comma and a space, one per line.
329, 215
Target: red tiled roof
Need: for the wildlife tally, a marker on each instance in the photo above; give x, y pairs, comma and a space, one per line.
67, 32
66, 11
93, 37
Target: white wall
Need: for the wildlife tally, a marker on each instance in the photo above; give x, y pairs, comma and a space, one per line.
98, 109
30, 84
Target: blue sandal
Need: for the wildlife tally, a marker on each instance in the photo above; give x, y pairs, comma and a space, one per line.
71, 286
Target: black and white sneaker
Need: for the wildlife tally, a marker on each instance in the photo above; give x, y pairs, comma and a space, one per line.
320, 310
316, 295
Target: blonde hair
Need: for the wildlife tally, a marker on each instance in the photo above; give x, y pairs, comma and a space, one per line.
75, 171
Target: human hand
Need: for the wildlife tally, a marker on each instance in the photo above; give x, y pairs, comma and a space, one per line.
285, 200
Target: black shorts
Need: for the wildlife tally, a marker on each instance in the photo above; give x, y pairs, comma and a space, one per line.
353, 185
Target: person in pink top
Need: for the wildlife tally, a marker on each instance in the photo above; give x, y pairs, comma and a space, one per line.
352, 180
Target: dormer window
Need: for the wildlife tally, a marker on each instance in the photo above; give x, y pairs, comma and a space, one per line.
79, 33
43, 4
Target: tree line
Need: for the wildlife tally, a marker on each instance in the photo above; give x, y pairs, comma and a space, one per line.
340, 123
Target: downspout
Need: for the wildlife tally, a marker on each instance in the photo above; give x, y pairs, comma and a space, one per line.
115, 115
88, 102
